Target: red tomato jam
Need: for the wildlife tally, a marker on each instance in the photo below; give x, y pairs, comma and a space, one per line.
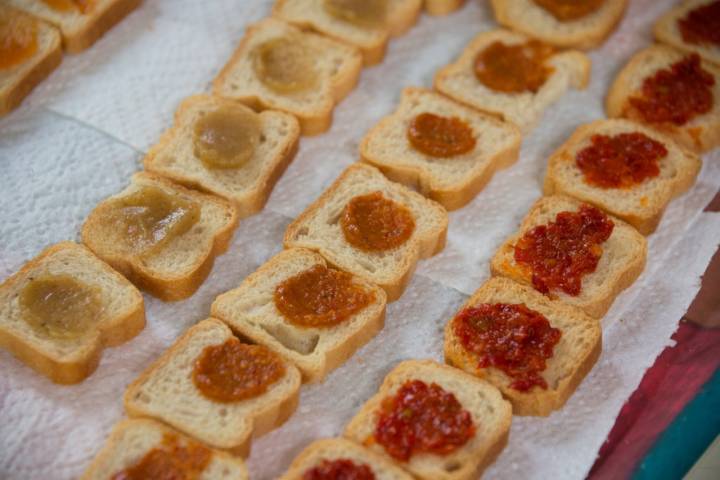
620, 161
559, 253
512, 338
340, 469
702, 25
169, 461
676, 94
422, 418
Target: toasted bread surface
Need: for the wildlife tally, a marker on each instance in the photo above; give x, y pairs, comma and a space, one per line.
442, 7
667, 31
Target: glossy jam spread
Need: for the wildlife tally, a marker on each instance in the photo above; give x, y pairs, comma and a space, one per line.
568, 10
60, 306
340, 469
702, 25
422, 418
364, 13
676, 94
513, 68
82, 6
620, 161
234, 371
559, 253
512, 338
320, 297
439, 136
170, 460
226, 137
286, 65
18, 39
374, 223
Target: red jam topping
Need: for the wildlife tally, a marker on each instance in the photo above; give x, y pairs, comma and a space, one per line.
568, 10
514, 68
340, 469
620, 161
18, 39
676, 94
422, 418
169, 461
512, 338
559, 253
374, 223
440, 136
702, 25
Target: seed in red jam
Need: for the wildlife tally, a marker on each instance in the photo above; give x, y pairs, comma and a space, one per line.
422, 418
620, 161
339, 469
702, 25
512, 338
559, 253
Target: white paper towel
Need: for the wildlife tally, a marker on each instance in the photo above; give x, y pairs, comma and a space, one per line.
82, 133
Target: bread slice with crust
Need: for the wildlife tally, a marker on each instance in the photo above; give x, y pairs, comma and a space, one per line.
454, 181
458, 81
132, 439
166, 392
641, 205
319, 229
17, 81
667, 31
573, 356
622, 261
589, 31
247, 186
70, 360
491, 415
372, 41
442, 7
178, 269
80, 30
701, 133
251, 312
338, 68
331, 449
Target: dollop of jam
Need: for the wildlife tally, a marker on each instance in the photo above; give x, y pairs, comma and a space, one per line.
439, 136
339, 469
560, 253
702, 24
226, 137
620, 161
170, 460
513, 68
234, 371
374, 223
569, 10
422, 418
676, 94
18, 39
363, 13
512, 338
82, 6
320, 297
286, 65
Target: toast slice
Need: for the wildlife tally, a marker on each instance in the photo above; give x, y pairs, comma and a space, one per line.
178, 269
80, 30
454, 181
247, 186
166, 392
573, 356
442, 7
524, 109
623, 258
17, 80
250, 311
587, 31
319, 229
131, 440
701, 133
491, 415
372, 41
73, 358
333, 449
337, 65
641, 205
667, 30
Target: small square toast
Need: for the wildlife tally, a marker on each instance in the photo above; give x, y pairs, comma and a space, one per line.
668, 29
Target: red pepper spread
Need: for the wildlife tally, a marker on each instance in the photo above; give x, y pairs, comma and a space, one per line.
169, 461
439, 136
340, 469
702, 25
514, 68
374, 223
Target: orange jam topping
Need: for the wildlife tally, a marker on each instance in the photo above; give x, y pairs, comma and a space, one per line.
82, 6
559, 253
702, 24
514, 68
18, 39
234, 371
568, 10
340, 469
620, 161
440, 136
364, 13
374, 223
512, 338
422, 418
320, 297
171, 460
